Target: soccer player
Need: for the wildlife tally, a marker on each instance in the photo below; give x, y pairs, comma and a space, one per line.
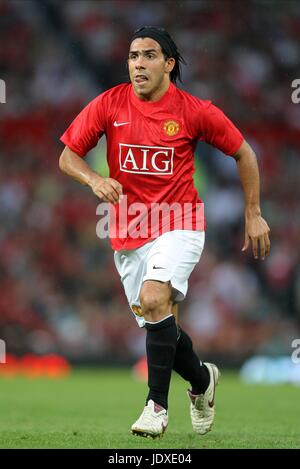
152, 128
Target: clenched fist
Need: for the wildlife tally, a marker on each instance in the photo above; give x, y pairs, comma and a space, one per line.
107, 189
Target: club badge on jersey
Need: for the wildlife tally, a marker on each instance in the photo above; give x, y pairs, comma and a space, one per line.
171, 128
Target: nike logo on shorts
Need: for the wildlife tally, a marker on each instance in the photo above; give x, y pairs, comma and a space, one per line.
118, 124
155, 267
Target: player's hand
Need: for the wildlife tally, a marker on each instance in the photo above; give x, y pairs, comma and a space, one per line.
257, 231
107, 189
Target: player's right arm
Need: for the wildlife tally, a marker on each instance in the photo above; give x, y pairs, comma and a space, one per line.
107, 189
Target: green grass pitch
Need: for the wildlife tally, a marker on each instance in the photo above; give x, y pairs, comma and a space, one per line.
95, 409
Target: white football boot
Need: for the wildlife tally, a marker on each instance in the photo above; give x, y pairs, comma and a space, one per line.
153, 421
202, 406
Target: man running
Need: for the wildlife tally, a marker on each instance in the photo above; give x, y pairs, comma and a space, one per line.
152, 128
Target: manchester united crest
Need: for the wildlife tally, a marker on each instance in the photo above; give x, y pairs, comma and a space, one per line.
137, 310
171, 128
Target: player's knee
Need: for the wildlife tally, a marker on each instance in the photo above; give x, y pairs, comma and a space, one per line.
154, 306
150, 303
155, 299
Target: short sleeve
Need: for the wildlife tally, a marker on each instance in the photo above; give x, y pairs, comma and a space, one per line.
217, 130
87, 128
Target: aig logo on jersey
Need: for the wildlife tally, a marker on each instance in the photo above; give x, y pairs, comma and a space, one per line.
144, 159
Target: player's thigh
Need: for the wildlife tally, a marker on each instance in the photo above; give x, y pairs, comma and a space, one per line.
172, 258
131, 269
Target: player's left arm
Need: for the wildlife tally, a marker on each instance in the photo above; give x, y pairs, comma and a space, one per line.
256, 228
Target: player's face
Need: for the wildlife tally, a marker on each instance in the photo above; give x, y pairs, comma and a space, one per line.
149, 71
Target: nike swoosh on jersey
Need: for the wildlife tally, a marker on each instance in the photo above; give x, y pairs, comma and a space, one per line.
155, 267
118, 124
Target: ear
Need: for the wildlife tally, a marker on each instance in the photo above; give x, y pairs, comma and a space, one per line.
170, 64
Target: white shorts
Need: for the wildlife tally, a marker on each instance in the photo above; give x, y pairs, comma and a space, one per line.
169, 258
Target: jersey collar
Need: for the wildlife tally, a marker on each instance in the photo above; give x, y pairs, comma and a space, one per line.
147, 107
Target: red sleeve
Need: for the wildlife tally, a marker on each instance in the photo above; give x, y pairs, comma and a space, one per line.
86, 129
217, 130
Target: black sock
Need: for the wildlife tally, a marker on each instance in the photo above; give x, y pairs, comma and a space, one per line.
188, 366
161, 344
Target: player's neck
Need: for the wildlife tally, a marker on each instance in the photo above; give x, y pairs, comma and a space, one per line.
156, 95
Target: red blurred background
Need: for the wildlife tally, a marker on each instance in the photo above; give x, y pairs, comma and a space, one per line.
60, 293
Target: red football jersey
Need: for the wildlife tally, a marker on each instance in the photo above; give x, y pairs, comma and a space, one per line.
150, 151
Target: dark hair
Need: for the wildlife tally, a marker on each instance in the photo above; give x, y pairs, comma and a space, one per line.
168, 47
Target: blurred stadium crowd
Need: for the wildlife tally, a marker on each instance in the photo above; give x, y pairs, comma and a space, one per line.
60, 292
